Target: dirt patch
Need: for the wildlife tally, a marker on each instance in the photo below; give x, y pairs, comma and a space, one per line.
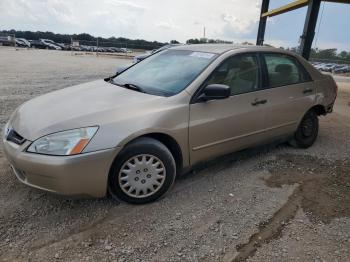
323, 192
324, 184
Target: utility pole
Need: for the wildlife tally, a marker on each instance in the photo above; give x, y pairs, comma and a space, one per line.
71, 46
97, 47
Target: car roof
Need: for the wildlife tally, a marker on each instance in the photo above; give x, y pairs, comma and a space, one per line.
222, 48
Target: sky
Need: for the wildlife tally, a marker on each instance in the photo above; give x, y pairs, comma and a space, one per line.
164, 20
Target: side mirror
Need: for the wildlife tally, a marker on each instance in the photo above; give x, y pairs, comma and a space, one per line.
214, 92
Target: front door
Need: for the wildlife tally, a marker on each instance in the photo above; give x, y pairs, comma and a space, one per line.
218, 127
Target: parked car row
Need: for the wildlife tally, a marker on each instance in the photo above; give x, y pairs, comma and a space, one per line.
332, 67
50, 44
87, 48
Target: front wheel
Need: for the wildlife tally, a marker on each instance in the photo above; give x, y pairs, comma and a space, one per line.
143, 172
307, 131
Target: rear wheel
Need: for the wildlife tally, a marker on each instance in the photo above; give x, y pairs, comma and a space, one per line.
307, 131
143, 172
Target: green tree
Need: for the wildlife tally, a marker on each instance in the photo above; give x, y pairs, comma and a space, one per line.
327, 53
344, 55
192, 41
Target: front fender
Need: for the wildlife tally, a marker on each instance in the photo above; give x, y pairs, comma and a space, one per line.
172, 121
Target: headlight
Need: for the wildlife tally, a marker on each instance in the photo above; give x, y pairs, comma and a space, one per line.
63, 143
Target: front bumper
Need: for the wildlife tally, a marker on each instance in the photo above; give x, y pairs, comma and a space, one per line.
79, 175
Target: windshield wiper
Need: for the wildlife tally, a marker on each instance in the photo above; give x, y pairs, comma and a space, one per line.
133, 87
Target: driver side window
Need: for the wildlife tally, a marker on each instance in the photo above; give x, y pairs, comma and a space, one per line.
239, 72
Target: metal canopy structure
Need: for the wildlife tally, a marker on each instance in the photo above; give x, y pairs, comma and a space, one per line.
310, 21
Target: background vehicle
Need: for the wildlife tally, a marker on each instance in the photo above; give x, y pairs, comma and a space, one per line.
37, 44
116, 49
332, 67
75, 48
139, 58
110, 49
327, 67
125, 50
22, 42
341, 69
63, 46
100, 49
50, 44
121, 69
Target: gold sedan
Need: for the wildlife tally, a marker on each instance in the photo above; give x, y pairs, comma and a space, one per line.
131, 134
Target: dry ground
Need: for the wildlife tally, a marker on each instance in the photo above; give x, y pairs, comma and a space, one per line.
271, 203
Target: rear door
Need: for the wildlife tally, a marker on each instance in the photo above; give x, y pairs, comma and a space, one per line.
289, 91
220, 126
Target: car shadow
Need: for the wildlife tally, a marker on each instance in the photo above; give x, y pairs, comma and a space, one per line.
223, 162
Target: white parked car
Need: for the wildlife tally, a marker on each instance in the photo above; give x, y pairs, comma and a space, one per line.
50, 44
125, 50
22, 42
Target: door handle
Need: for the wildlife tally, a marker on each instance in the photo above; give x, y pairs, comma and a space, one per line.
259, 102
308, 90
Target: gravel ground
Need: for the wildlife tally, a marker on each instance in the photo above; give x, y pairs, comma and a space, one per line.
270, 203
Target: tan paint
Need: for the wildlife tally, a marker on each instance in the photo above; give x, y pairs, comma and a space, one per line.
202, 130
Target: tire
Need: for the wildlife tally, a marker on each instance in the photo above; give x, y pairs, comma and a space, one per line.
307, 131
143, 172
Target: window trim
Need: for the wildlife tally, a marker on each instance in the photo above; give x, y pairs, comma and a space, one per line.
293, 58
203, 84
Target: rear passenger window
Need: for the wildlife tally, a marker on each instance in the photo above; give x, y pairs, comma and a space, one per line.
284, 70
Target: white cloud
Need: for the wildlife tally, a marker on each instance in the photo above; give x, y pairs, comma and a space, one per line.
167, 24
161, 20
127, 4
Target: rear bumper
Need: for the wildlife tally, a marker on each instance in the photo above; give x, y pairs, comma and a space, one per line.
78, 175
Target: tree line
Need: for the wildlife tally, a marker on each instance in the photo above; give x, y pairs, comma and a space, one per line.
207, 41
330, 54
86, 39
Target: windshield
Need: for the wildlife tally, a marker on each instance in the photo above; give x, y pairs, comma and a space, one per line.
166, 73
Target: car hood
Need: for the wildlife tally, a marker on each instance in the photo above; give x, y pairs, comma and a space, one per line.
90, 104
